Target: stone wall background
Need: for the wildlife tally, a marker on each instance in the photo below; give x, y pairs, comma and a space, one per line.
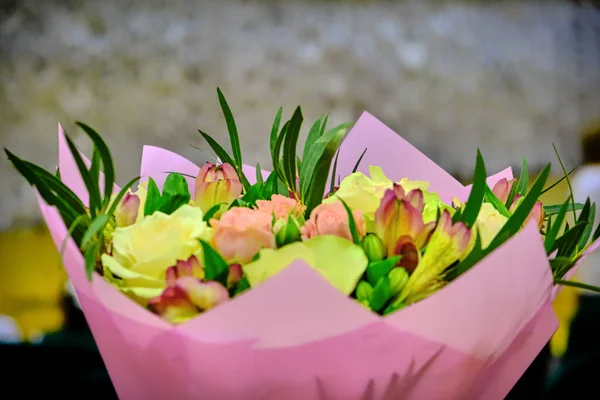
508, 77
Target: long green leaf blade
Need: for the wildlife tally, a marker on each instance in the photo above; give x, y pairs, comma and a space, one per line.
275, 129
91, 185
120, 195
107, 162
469, 215
289, 149
523, 178
554, 228
566, 176
560, 180
334, 173
232, 129
313, 134
96, 227
351, 223
491, 198
589, 225
358, 161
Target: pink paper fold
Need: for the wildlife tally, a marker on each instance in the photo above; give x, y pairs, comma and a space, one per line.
297, 337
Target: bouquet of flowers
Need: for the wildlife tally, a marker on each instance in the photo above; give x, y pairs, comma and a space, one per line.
358, 269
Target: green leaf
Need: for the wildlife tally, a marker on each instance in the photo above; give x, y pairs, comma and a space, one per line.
523, 178
237, 203
471, 210
95, 201
378, 269
275, 129
560, 180
270, 186
512, 194
560, 266
215, 267
232, 129
96, 228
567, 243
289, 150
589, 225
107, 163
84, 220
253, 194
318, 166
579, 285
516, 221
95, 166
382, 293
554, 228
566, 176
90, 256
259, 176
314, 134
276, 153
242, 286
334, 173
555, 208
351, 223
596, 234
175, 194
46, 183
358, 162
152, 203
490, 197
212, 211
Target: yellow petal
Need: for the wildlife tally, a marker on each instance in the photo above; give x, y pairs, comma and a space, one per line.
338, 260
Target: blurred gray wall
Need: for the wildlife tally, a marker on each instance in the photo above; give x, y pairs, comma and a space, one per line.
508, 77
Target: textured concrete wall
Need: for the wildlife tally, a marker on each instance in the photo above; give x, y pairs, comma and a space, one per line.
508, 77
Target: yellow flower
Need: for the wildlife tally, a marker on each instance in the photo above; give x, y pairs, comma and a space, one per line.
363, 193
141, 253
488, 223
340, 261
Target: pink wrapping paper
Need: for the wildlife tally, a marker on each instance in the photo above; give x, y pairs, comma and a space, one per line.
297, 337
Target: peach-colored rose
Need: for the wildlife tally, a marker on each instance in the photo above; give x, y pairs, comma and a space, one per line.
281, 206
332, 219
241, 233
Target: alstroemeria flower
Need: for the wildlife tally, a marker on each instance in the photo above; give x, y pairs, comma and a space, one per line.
127, 210
537, 212
190, 267
399, 223
187, 297
502, 189
216, 184
488, 224
449, 243
363, 193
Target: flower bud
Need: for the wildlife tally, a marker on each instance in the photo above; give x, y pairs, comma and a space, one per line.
216, 184
363, 292
189, 267
373, 247
235, 275
173, 305
204, 295
398, 278
287, 232
127, 210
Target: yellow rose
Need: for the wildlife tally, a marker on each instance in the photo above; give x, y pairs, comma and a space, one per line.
488, 223
141, 253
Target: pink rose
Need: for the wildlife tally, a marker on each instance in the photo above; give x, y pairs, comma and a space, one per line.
241, 233
281, 206
332, 219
